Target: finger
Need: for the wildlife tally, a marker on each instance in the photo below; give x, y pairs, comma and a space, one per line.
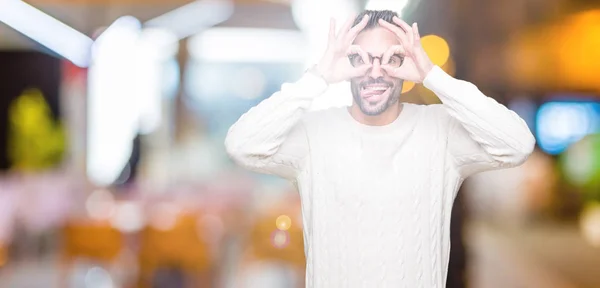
342, 33
331, 30
396, 30
416, 31
406, 28
411, 36
396, 49
402, 24
355, 49
356, 29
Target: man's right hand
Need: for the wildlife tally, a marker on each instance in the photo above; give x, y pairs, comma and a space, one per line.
335, 66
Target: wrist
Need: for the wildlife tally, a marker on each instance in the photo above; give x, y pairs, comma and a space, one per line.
315, 71
426, 70
323, 72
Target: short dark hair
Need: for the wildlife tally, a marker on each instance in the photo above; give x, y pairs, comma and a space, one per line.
374, 16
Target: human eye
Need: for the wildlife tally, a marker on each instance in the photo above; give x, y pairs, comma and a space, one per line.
356, 60
396, 60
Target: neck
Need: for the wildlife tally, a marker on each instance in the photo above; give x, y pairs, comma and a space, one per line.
386, 117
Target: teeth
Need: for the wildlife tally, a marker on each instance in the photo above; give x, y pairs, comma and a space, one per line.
377, 88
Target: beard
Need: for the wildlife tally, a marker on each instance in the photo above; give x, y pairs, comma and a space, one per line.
374, 109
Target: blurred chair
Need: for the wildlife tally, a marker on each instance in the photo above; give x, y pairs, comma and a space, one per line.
97, 241
177, 248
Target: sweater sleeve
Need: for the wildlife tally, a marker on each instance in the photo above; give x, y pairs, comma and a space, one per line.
483, 134
270, 138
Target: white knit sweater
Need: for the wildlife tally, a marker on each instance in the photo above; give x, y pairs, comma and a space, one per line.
376, 200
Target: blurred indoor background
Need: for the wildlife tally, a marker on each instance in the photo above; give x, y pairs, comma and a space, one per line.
113, 115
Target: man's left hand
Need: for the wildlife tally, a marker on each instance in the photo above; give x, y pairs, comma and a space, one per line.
416, 63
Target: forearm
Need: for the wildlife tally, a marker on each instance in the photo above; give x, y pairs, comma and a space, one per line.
500, 132
260, 132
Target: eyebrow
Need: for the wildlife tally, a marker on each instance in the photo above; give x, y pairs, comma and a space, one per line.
371, 55
378, 57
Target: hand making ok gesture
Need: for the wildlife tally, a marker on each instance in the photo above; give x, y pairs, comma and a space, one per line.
334, 66
416, 63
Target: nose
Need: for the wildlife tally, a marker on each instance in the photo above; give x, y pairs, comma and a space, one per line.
376, 70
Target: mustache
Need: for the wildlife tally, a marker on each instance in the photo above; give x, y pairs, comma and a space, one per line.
376, 81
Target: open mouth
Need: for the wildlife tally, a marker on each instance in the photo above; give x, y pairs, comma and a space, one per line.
374, 92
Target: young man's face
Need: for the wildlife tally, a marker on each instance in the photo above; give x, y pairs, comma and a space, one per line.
376, 91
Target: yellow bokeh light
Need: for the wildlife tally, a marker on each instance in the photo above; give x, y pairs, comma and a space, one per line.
578, 62
283, 222
567, 45
437, 48
407, 86
589, 224
449, 67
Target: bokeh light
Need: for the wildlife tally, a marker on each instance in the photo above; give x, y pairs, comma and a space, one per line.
98, 277
280, 239
437, 48
577, 163
450, 66
579, 61
100, 205
407, 86
283, 222
559, 124
590, 224
128, 217
164, 217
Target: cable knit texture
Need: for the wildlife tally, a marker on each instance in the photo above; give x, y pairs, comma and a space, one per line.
376, 200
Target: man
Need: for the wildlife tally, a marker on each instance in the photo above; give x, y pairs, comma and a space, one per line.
377, 179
